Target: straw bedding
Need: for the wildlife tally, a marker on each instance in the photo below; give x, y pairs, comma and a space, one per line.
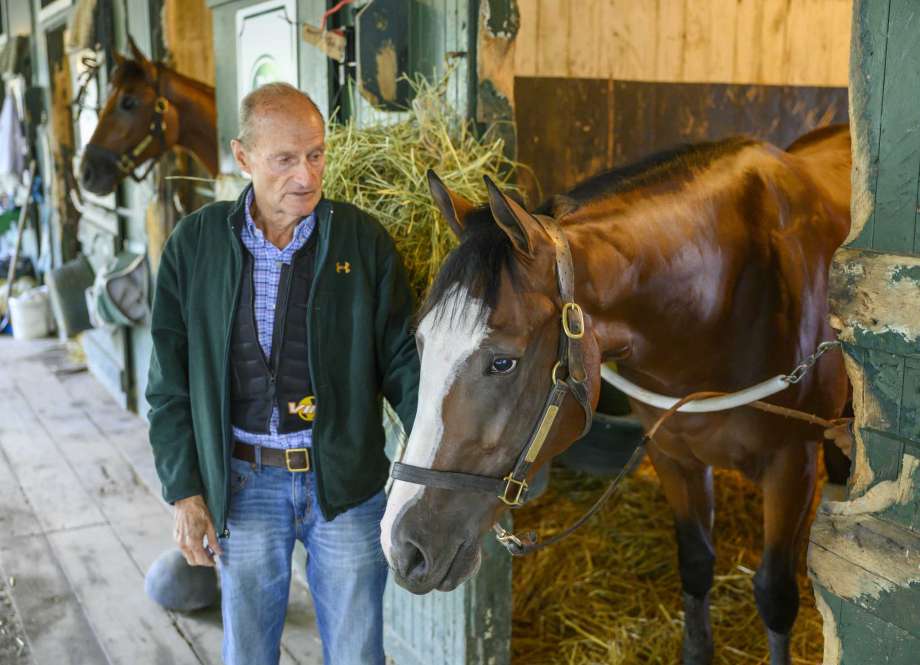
611, 592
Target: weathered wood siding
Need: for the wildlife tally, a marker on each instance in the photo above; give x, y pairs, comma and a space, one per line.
864, 555
600, 83
803, 42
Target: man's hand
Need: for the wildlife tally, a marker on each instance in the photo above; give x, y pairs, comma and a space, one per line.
193, 523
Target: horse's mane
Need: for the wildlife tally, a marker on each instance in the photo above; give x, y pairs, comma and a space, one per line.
475, 264
484, 251
656, 168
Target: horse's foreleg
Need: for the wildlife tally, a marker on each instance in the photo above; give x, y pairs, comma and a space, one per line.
688, 488
788, 486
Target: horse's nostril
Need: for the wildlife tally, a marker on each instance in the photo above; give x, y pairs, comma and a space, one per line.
87, 174
413, 563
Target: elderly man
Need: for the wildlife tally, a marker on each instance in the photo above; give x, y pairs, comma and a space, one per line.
279, 321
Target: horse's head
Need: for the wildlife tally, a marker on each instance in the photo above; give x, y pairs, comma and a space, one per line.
136, 124
490, 338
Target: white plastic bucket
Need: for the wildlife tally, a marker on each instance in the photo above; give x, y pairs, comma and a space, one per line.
30, 314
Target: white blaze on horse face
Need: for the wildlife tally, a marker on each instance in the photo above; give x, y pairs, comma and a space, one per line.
452, 331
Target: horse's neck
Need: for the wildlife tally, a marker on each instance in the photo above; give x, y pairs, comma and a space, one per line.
647, 280
197, 117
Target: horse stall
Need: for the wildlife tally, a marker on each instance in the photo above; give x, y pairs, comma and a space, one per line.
596, 85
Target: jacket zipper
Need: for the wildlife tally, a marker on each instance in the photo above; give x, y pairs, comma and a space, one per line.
321, 252
225, 532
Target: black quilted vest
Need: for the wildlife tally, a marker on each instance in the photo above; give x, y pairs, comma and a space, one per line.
257, 383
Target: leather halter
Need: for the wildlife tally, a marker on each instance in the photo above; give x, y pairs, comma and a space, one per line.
126, 162
512, 489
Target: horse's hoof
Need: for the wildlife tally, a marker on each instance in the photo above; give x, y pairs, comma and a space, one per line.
697, 645
779, 648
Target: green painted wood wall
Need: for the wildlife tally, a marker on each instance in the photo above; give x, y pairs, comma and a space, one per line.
864, 554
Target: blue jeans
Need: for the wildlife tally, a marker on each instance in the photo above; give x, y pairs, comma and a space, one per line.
270, 507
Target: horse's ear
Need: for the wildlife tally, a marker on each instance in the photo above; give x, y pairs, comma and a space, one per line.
142, 60
453, 207
136, 53
518, 224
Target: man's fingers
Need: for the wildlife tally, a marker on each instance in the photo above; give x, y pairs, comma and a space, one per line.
212, 540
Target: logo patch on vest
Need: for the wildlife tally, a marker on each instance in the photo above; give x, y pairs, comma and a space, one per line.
343, 267
305, 408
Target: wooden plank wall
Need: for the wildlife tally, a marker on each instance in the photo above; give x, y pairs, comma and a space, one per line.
188, 33
601, 83
803, 42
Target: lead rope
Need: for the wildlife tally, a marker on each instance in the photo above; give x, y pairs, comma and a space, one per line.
522, 546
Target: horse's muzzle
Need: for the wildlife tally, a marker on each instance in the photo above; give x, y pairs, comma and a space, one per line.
98, 170
423, 564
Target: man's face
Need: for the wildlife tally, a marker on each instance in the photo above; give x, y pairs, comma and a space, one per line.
286, 157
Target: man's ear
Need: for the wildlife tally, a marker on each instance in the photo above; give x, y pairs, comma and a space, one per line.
518, 224
239, 154
453, 207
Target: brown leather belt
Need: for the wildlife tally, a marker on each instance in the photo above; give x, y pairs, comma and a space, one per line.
293, 459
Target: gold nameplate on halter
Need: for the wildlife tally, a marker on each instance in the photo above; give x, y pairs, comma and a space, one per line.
509, 488
142, 146
579, 331
545, 425
160, 105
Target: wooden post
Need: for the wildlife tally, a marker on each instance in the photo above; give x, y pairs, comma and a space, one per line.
864, 554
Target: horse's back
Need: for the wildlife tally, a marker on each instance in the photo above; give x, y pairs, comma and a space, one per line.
825, 154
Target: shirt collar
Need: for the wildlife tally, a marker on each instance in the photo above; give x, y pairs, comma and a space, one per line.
303, 227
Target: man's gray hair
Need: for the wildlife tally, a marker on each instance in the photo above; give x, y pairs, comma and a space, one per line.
270, 95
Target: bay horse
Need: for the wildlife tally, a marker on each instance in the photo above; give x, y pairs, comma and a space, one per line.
149, 110
699, 269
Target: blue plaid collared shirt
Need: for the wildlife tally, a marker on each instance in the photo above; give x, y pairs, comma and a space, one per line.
266, 274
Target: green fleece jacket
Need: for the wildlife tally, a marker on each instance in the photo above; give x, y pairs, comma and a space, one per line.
359, 348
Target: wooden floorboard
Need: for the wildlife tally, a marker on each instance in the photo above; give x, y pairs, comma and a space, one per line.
58, 631
129, 625
55, 625
79, 493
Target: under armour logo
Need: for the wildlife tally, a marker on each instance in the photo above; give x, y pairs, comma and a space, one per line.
343, 267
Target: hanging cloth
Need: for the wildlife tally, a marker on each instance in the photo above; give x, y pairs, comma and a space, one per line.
13, 147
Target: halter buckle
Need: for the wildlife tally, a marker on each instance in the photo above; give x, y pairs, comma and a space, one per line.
125, 164
510, 483
160, 105
579, 329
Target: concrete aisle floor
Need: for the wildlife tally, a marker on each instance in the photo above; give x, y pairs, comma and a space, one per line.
81, 520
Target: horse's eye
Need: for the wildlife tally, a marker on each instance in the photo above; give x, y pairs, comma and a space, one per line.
503, 366
128, 103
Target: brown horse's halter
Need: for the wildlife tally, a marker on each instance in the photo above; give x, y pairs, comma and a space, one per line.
126, 162
512, 489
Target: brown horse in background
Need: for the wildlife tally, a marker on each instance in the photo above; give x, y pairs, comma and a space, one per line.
150, 109
700, 269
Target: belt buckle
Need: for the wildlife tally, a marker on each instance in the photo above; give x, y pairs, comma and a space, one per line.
287, 459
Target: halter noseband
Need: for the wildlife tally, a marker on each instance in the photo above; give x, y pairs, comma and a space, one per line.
512, 489
126, 162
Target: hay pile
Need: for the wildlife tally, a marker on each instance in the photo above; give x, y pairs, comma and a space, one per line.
611, 592
381, 169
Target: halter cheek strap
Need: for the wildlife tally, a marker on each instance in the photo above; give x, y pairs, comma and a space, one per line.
568, 377
127, 163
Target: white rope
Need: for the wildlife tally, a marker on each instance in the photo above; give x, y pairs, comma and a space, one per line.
761, 390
